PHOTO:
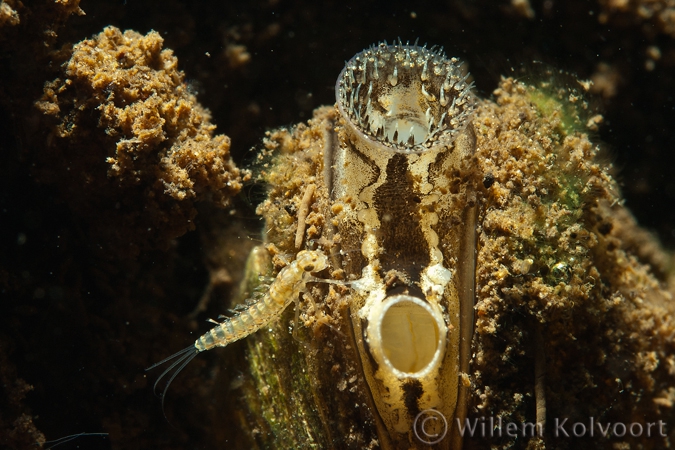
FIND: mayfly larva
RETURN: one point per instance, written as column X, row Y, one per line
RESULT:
column 286, row 287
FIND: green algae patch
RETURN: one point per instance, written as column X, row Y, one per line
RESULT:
column 561, row 98
column 553, row 104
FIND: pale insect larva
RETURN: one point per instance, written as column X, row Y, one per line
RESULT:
column 286, row 288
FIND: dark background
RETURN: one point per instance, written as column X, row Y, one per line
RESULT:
column 81, row 330
column 297, row 49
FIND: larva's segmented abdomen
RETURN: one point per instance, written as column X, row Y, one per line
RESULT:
column 286, row 288
column 235, row 328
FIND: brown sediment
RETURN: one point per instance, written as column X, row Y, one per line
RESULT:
column 48, row 15
column 641, row 243
column 289, row 164
column 17, row 429
column 131, row 144
column 606, row 80
column 556, row 248
column 522, row 8
column 154, row 190
column 9, row 15
column 659, row 13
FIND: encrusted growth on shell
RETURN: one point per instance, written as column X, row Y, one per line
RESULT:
column 406, row 97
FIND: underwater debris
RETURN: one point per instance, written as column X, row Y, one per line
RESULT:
column 17, row 427
column 658, row 13
column 138, row 148
column 555, row 249
column 48, row 15
column 8, row 16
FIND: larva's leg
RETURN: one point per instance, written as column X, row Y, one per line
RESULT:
column 296, row 323
column 310, row 299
